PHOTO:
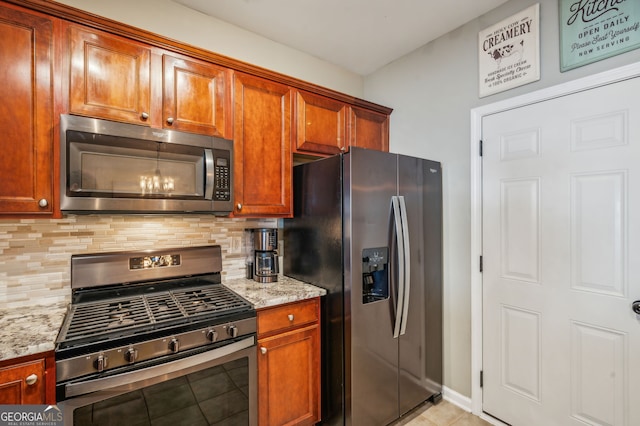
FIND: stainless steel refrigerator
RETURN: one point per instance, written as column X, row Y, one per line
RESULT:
column 367, row 227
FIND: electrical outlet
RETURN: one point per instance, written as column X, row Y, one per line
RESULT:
column 235, row 246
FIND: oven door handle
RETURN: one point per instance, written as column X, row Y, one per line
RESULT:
column 82, row 388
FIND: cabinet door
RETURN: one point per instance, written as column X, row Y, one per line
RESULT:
column 197, row 97
column 289, row 378
column 110, row 77
column 321, row 125
column 262, row 147
column 23, row 383
column 369, row 129
column 26, row 107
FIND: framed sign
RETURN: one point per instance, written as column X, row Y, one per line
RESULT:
column 509, row 52
column 594, row 30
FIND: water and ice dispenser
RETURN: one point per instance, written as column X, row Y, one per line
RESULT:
column 375, row 274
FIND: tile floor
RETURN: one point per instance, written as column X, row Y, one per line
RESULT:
column 442, row 414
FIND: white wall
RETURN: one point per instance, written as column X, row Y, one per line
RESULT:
column 432, row 91
column 178, row 22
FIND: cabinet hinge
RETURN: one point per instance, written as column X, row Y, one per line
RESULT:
column 480, row 149
column 480, row 263
column 481, row 378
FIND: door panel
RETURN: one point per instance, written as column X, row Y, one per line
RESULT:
column 262, row 147
column 197, row 97
column 560, row 231
column 110, row 77
column 26, row 163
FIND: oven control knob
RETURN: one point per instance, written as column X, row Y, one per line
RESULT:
column 101, row 362
column 174, row 345
column 212, row 335
column 131, row 355
column 233, row 331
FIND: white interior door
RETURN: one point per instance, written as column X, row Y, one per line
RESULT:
column 561, row 254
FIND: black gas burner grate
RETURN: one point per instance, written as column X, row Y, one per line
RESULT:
column 98, row 320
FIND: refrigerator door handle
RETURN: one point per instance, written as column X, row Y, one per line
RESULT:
column 401, row 271
column 407, row 265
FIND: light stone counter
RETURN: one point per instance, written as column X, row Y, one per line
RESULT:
column 285, row 290
column 29, row 330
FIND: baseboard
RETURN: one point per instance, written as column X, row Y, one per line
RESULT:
column 456, row 398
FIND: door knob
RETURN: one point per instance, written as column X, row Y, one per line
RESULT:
column 636, row 307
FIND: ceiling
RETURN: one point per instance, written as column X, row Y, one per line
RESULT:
column 358, row 35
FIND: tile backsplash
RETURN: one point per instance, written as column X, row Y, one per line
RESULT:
column 35, row 253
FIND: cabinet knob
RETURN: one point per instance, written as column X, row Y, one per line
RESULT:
column 263, row 350
column 239, row 206
column 290, row 316
column 43, row 202
column 31, row 379
column 343, row 149
column 170, row 120
column 144, row 115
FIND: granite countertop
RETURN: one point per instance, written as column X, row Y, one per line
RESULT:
column 285, row 290
column 29, row 330
column 32, row 330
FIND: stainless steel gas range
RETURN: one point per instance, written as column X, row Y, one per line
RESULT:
column 153, row 337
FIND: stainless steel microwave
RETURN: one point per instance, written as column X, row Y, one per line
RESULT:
column 107, row 166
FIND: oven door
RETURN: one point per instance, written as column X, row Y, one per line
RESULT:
column 214, row 387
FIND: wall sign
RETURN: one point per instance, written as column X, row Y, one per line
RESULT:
column 509, row 52
column 592, row 30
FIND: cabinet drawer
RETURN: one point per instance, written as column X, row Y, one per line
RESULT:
column 287, row 317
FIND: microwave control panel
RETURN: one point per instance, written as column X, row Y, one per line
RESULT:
column 222, row 175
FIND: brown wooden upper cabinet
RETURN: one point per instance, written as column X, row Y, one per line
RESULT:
column 321, row 125
column 262, row 147
column 109, row 77
column 27, row 162
column 325, row 126
column 368, row 129
column 196, row 96
column 120, row 79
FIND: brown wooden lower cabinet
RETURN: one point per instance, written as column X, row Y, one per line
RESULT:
column 28, row 380
column 289, row 364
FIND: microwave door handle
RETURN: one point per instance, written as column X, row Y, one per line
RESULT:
column 400, row 264
column 407, row 265
column 209, row 174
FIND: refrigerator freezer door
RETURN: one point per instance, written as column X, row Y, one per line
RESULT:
column 370, row 180
column 420, row 353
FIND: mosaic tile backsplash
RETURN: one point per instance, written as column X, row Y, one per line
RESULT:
column 35, row 253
